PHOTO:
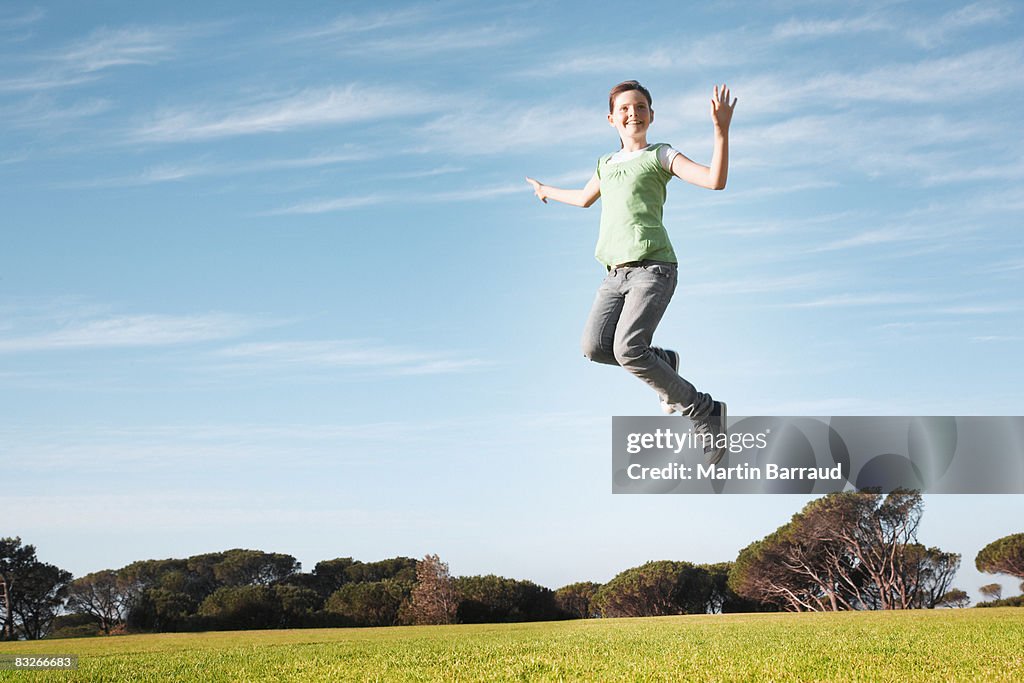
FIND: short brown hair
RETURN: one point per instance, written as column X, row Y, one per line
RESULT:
column 626, row 86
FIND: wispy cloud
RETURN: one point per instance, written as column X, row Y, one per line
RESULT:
column 13, row 158
column 827, row 28
column 431, row 172
column 49, row 79
column 718, row 49
column 949, row 78
column 331, row 205
column 914, row 326
column 10, row 21
column 306, row 109
column 958, row 20
column 497, row 128
column 352, row 354
column 82, row 61
column 591, row 61
column 911, row 123
column 171, row 446
column 106, row 48
column 410, row 32
column 1013, row 171
column 1004, row 200
column 183, row 511
column 985, row 70
column 851, row 300
column 131, row 331
column 357, row 201
column 783, row 186
column 768, row 284
column 774, row 225
column 980, row 309
column 817, row 407
column 688, row 54
column 994, row 338
column 1006, row 266
column 347, row 25
column 873, row 237
column 41, row 111
column 882, row 299
column 419, row 44
column 172, row 172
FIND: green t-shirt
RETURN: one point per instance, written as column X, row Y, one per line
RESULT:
column 632, row 198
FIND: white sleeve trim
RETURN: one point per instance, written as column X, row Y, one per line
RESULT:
column 666, row 154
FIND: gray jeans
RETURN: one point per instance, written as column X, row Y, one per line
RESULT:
column 629, row 305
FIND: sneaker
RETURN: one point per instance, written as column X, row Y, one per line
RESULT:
column 711, row 428
column 673, row 360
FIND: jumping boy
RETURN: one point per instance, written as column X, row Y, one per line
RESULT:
column 634, row 247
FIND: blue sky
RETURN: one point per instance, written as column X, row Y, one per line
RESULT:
column 272, row 278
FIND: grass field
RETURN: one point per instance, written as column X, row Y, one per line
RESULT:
column 969, row 644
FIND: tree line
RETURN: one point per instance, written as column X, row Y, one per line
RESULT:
column 844, row 551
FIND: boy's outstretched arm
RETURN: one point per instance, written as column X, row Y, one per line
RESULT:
column 715, row 176
column 585, row 197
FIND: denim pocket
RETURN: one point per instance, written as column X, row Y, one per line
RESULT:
column 660, row 270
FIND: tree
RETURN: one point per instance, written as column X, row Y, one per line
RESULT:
column 433, row 599
column 722, row 599
column 1003, row 556
column 871, row 533
column 39, row 597
column 929, row 574
column 31, row 592
column 240, row 567
column 242, row 607
column 75, row 625
column 307, row 581
column 188, row 594
column 15, row 559
column 954, row 598
column 992, row 591
column 495, row 599
column 298, row 605
column 793, row 575
column 847, row 551
column 369, row 603
column 402, row 569
column 330, row 575
column 161, row 593
column 655, row 589
column 166, row 595
column 162, row 609
column 103, row 595
column 577, row 599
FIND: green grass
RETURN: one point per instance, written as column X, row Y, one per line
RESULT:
column 868, row 646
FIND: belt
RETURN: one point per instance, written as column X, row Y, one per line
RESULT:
column 637, row 264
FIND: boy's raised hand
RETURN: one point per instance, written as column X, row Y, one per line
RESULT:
column 721, row 108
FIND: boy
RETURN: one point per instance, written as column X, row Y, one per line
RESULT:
column 634, row 247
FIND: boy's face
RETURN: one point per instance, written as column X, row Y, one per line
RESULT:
column 631, row 115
